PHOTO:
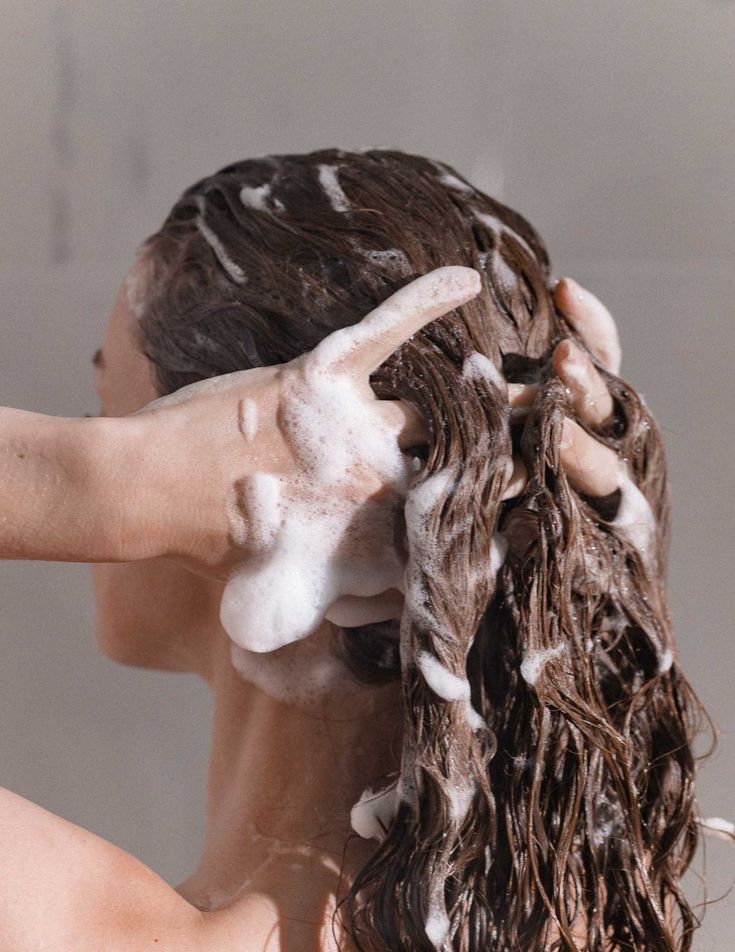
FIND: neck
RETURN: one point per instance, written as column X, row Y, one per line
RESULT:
column 295, row 742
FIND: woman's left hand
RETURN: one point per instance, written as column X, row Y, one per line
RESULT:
column 591, row 466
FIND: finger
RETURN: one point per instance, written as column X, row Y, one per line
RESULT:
column 362, row 348
column 521, row 396
column 592, row 401
column 518, row 480
column 405, row 420
column 592, row 320
column 591, row 467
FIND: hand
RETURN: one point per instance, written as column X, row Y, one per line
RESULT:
column 297, row 470
column 591, row 467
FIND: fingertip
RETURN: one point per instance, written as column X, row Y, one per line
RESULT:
column 454, row 285
column 562, row 352
column 458, row 276
column 592, row 320
column 518, row 479
column 575, row 289
column 559, row 289
column 567, row 434
column 567, row 294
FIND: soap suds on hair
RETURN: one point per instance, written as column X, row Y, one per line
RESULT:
column 448, row 686
column 409, row 786
column 716, row 826
column 497, row 227
column 635, row 520
column 441, row 680
column 255, row 196
column 460, row 800
column 437, row 922
column 636, row 524
column 233, row 270
column 258, row 197
column 451, row 181
column 333, row 190
column 422, row 559
column 392, row 258
column 535, row 661
column 474, row 719
column 374, row 812
column 501, row 270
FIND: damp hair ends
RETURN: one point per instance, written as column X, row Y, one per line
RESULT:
column 546, row 787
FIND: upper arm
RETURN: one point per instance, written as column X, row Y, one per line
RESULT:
column 62, row 887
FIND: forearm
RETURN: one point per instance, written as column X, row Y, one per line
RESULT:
column 74, row 490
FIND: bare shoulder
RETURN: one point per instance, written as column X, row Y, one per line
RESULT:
column 63, row 887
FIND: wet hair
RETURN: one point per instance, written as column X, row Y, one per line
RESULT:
column 555, row 797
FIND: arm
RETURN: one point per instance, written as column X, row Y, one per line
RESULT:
column 156, row 483
column 64, row 888
column 69, row 489
column 161, row 482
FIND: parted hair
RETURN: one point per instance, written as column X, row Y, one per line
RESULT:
column 558, row 800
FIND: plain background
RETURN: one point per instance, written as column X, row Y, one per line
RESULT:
column 609, row 125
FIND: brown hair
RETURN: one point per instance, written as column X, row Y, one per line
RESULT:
column 578, row 784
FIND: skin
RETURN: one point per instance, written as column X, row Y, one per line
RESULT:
column 283, row 773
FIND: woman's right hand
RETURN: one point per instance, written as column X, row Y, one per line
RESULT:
column 227, row 454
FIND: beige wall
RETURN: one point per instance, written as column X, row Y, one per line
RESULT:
column 608, row 123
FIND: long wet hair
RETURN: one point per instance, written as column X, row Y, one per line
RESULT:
column 566, row 808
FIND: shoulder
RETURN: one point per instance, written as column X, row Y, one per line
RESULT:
column 63, row 887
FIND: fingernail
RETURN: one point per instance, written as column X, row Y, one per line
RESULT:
column 575, row 356
column 576, row 289
column 566, row 434
column 574, row 370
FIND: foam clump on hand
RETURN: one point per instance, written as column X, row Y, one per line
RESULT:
column 305, row 526
column 327, row 529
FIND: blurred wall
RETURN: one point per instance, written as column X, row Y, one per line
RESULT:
column 609, row 125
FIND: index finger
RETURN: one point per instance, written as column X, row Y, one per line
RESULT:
column 362, row 348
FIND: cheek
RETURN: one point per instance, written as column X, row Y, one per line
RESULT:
column 154, row 614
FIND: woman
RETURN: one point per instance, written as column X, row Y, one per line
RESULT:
column 528, row 726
